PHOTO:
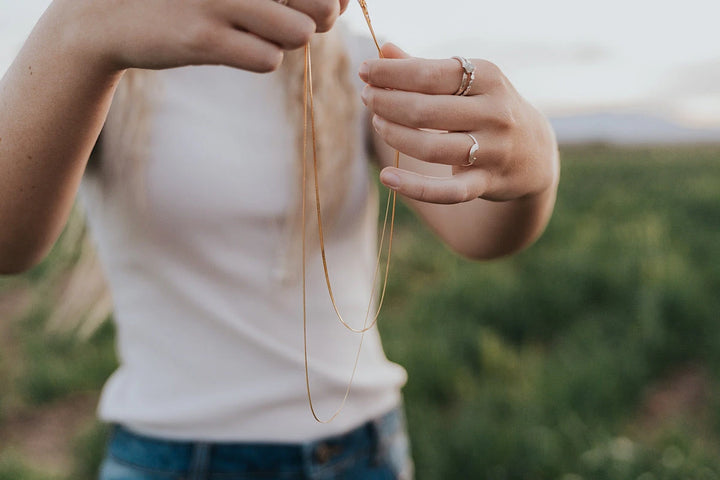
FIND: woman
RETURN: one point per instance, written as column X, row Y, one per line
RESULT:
column 193, row 199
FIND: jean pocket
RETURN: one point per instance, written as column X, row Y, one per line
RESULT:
column 394, row 446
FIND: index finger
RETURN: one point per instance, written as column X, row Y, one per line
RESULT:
column 434, row 77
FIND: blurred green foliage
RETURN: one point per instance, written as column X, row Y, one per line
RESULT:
column 592, row 355
column 539, row 366
column 12, row 467
column 62, row 364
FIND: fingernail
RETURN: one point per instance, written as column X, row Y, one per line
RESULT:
column 363, row 72
column 377, row 123
column 390, row 180
column 365, row 94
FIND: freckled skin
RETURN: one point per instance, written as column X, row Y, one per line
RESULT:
column 50, row 123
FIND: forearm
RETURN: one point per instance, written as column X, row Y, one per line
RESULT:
column 53, row 102
column 481, row 229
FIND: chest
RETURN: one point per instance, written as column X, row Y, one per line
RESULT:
column 221, row 143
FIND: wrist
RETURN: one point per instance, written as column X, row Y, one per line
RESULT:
column 66, row 32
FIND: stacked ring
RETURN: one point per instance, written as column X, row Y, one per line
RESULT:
column 468, row 76
column 473, row 150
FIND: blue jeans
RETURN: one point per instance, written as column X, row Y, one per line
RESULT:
column 377, row 450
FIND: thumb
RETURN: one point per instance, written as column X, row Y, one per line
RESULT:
column 390, row 50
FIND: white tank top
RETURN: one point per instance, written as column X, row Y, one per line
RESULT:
column 209, row 329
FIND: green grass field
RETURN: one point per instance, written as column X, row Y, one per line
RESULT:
column 594, row 355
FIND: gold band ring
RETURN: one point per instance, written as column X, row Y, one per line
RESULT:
column 468, row 76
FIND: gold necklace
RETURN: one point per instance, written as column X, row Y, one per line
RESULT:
column 308, row 103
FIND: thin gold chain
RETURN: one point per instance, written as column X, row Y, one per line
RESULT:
column 308, row 104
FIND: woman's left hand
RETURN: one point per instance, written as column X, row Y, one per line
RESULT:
column 417, row 112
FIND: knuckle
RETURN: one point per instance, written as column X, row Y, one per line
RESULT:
column 503, row 116
column 326, row 14
column 203, row 39
column 491, row 73
column 420, row 113
column 460, row 193
column 506, row 119
column 468, row 192
column 428, row 78
column 300, row 34
column 423, row 193
column 270, row 62
column 384, row 130
column 496, row 157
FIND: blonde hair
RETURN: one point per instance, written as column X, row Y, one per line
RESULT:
column 335, row 111
column 123, row 153
column 125, row 137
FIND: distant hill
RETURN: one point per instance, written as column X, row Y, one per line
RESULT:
column 620, row 128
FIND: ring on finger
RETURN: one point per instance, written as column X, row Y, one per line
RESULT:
column 472, row 154
column 468, row 76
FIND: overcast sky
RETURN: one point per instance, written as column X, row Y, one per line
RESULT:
column 566, row 56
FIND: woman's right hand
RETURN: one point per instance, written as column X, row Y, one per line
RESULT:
column 158, row 34
column 55, row 96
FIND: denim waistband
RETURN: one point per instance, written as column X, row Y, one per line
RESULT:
column 196, row 459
